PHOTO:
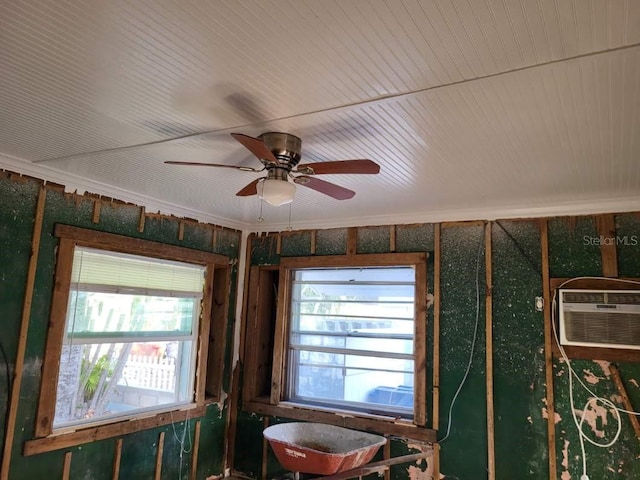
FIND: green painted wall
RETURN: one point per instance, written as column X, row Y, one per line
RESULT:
column 520, row 440
column 94, row 461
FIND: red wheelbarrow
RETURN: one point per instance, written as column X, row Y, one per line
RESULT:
column 321, row 449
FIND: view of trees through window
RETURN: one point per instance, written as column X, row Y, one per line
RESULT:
column 127, row 348
column 351, row 338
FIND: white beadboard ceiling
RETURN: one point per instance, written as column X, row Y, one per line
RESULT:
column 473, row 109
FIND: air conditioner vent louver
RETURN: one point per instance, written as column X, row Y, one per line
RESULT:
column 603, row 318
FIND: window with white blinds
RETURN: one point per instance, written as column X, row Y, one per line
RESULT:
column 131, row 333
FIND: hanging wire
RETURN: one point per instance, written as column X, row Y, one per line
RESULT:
column 186, row 432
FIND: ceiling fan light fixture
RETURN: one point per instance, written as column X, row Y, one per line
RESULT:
column 277, row 192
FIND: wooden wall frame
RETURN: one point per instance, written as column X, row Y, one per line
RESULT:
column 265, row 344
column 208, row 370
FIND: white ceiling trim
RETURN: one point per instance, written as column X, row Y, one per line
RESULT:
column 559, row 209
column 75, row 183
column 81, row 185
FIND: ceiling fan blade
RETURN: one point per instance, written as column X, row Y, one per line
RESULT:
column 255, row 146
column 250, row 189
column 236, row 167
column 339, row 166
column 328, row 188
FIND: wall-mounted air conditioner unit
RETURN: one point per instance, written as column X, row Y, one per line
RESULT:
column 600, row 318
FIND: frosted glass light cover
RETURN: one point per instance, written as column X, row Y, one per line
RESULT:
column 277, row 192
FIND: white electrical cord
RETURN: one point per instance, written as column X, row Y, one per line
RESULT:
column 473, row 344
column 595, row 398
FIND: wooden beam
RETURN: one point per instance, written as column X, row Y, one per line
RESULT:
column 159, row 452
column 392, row 238
column 12, row 404
column 436, row 347
column 265, row 449
column 385, row 425
column 181, row 231
column 491, row 460
column 548, row 350
column 278, row 243
column 386, row 455
column 420, row 346
column 231, row 423
column 116, row 460
column 66, row 466
column 607, row 231
column 92, row 434
column 141, row 220
column 626, row 401
column 196, row 450
column 352, row 240
column 313, row 242
column 122, row 243
column 97, row 207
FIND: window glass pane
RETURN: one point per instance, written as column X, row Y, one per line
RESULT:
column 112, row 313
column 351, row 338
column 364, row 343
column 107, row 380
column 131, row 327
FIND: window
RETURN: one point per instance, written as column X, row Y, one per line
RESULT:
column 129, row 336
column 350, row 340
column 339, row 339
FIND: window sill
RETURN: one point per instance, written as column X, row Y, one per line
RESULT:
column 116, row 429
column 359, row 421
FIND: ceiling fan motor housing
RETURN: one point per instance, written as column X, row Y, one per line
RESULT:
column 284, row 146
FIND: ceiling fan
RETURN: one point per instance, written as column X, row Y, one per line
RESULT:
column 280, row 155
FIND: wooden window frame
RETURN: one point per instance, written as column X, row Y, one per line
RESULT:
column 266, row 342
column 210, row 350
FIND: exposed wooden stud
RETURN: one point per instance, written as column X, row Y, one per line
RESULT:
column 626, row 401
column 57, row 319
column 181, row 231
column 392, row 238
column 203, row 334
column 313, row 242
column 231, row 424
column 97, row 207
column 116, row 460
column 12, row 406
column 420, row 348
column 278, row 243
column 607, row 231
column 436, row 461
column 548, row 351
column 386, row 455
column 214, row 237
column 491, row 466
column 141, row 220
column 159, row 452
column 352, row 241
column 66, row 466
column 196, row 450
column 265, row 450
column 436, row 328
